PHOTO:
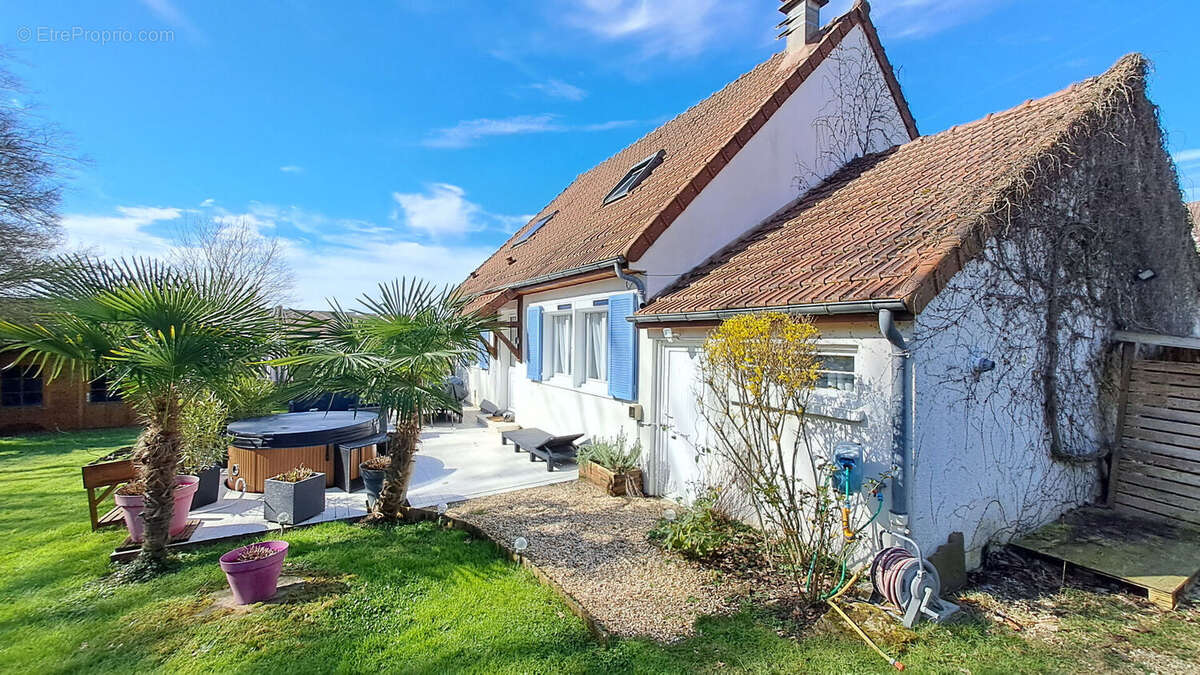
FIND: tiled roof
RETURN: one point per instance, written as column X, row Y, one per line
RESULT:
column 893, row 225
column 698, row 144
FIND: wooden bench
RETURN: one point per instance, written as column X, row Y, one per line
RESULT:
column 106, row 475
column 541, row 444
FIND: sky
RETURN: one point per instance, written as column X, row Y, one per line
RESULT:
column 384, row 139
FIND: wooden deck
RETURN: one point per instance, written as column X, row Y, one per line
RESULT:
column 1148, row 553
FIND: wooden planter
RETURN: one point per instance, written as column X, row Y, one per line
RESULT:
column 615, row 484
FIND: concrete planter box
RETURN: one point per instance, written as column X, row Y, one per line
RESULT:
column 210, row 486
column 296, row 502
column 624, row 484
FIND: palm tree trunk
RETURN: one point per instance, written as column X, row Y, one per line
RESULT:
column 402, row 447
column 157, row 458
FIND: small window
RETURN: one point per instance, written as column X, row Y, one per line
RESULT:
column 99, row 392
column 560, row 344
column 534, row 228
column 635, row 176
column 20, row 386
column 595, row 345
column 836, row 372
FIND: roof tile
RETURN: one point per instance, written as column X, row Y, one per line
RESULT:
column 893, row 225
column 698, row 144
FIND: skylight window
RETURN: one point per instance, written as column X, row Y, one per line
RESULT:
column 536, row 226
column 635, row 176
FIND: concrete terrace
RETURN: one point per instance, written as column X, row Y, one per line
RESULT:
column 455, row 462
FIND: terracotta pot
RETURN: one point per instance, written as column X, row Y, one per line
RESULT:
column 132, row 507
column 254, row 580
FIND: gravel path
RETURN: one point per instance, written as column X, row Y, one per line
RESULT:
column 595, row 547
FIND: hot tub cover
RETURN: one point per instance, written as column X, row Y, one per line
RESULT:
column 295, row 430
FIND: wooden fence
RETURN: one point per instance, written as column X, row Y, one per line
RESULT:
column 1156, row 469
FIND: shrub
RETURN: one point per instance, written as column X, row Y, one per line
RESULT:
column 251, row 396
column 202, row 428
column 696, row 532
column 757, row 374
column 614, row 454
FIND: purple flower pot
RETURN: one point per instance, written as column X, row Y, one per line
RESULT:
column 133, row 505
column 254, row 580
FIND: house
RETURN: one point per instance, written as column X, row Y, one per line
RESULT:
column 966, row 284
column 30, row 403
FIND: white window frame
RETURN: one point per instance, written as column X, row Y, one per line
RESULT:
column 581, row 379
column 849, row 351
column 551, row 346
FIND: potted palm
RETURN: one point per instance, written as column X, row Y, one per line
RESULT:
column 612, row 463
column 395, row 352
column 253, row 571
column 294, row 496
column 131, row 497
column 159, row 335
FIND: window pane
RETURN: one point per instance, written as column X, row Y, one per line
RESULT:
column 560, row 344
column 837, row 372
column 596, row 342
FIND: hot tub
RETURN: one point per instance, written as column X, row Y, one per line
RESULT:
column 333, row 443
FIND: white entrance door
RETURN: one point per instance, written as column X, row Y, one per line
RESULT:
column 679, row 473
column 500, row 387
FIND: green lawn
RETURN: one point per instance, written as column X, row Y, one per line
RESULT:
column 415, row 599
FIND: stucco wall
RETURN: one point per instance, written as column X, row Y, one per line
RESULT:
column 862, row 415
column 766, row 175
column 980, row 462
column 555, row 406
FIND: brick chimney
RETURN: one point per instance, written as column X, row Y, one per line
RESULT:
column 803, row 23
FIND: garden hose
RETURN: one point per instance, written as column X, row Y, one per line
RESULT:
column 865, row 638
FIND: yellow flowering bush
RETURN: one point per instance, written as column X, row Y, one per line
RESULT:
column 757, row 372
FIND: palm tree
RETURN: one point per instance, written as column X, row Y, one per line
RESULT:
column 396, row 353
column 159, row 336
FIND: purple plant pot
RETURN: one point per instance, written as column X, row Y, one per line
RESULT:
column 254, row 580
column 133, row 505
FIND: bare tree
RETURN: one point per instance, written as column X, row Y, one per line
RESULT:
column 31, row 155
column 222, row 245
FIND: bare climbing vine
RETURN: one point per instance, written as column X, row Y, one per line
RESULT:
column 859, row 116
column 1065, row 244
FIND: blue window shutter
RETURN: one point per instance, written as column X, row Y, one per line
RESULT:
column 622, row 347
column 483, row 352
column 533, row 343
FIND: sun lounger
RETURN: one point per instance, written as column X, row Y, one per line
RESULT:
column 541, row 444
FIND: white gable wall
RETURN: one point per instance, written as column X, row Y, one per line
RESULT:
column 761, row 179
column 981, row 464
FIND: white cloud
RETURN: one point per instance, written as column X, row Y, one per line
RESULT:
column 291, row 168
column 899, row 19
column 674, row 28
column 444, row 210
column 331, row 257
column 465, row 133
column 1187, row 156
column 171, row 15
column 124, row 234
column 555, row 88
column 468, row 132
column 345, row 273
